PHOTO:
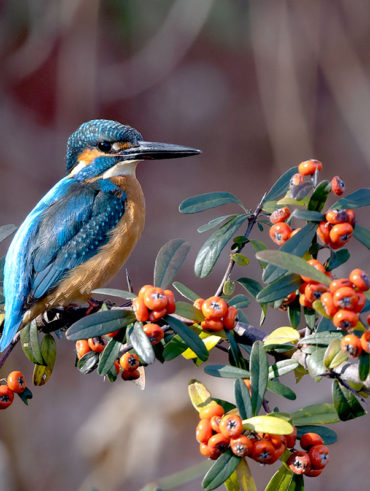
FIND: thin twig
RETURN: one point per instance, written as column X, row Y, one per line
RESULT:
column 9, row 348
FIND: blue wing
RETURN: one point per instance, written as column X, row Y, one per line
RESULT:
column 65, row 229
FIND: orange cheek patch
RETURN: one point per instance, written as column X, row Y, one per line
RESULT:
column 89, row 154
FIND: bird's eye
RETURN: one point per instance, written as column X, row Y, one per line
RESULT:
column 104, row 146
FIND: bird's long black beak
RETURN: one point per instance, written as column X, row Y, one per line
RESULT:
column 153, row 150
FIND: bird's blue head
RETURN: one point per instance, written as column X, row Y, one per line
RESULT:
column 100, row 144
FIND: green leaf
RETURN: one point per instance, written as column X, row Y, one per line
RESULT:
column 358, row 198
column 297, row 483
column 190, row 337
column 293, row 264
column 322, row 338
column 294, row 313
column 319, row 196
column 6, row 230
column 282, row 368
column 336, row 259
column 140, row 342
column 362, row 234
column 315, row 414
column 281, row 480
column 188, row 311
column 281, row 389
column 185, row 291
column 31, row 349
column 25, row 395
column 281, row 186
column 88, row 362
column 331, row 351
column 296, row 245
column 235, row 353
column 310, row 317
column 259, row 375
column 241, row 479
column 206, row 201
column 212, row 248
column 252, row 286
column 308, row 215
column 240, row 259
column 243, row 399
column 239, row 301
column 345, row 403
column 315, row 364
column 100, row 323
column 279, row 288
column 109, row 356
column 213, row 223
column 168, row 261
column 226, row 371
column 327, row 434
column 114, row 292
column 42, row 373
column 228, row 288
column 223, row 467
column 174, row 481
column 364, row 366
column 174, row 348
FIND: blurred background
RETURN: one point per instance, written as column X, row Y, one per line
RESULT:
column 259, row 86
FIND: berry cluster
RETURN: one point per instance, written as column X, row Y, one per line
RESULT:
column 314, row 457
column 218, row 314
column 280, row 231
column 216, row 432
column 15, row 383
column 353, row 346
column 337, row 228
column 152, row 303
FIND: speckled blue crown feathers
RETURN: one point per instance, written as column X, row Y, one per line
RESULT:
column 92, row 132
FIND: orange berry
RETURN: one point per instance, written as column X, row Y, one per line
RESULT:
column 263, row 451
column 155, row 298
column 289, row 299
column 291, row 439
column 313, row 472
column 308, row 167
column 203, row 431
column 212, row 409
column 129, row 361
column 313, row 291
column 295, row 231
column 303, row 286
column 276, row 440
column 143, row 290
column 171, row 306
column 231, row 425
column 6, row 396
column 112, row 334
column 280, row 233
column 230, row 318
column 308, row 440
column 328, row 303
column 155, row 315
column 211, row 325
column 351, row 345
column 341, row 233
column 336, row 216
column 140, row 309
column 345, row 298
column 337, row 185
column 280, row 450
column 351, row 217
column 16, row 382
column 299, row 462
column 323, row 231
column 303, row 300
column 280, row 215
column 130, row 374
column 247, row 383
column 219, row 442
column 319, row 456
column 241, row 446
column 214, row 308
column 215, row 423
column 336, row 284
column 96, row 344
column 154, row 333
column 198, row 303
column 206, row 451
column 296, row 180
column 345, row 319
column 360, row 279
column 361, row 300
column 117, row 366
column 317, row 265
column 82, row 347
column 365, row 341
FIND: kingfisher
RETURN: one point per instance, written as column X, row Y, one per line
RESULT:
column 84, row 229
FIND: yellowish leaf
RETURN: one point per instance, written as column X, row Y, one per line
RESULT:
column 282, row 335
column 199, row 395
column 268, row 424
column 210, row 341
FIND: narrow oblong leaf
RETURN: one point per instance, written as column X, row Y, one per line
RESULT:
column 239, row 301
column 345, row 403
column 206, row 201
column 88, row 362
column 212, row 248
column 25, row 395
column 315, row 414
column 199, row 394
column 364, row 366
column 327, row 434
column 26, row 345
column 6, row 230
column 243, row 399
column 169, row 260
column 188, row 336
column 281, row 389
column 185, row 291
column 309, row 215
column 281, row 186
column 279, row 288
column 140, row 342
column 253, row 287
column 282, row 335
column 294, row 313
column 259, row 375
column 109, row 356
column 213, row 223
column 100, row 323
column 322, row 338
column 358, row 198
column 187, row 310
column 293, row 264
column 281, row 480
column 175, row 347
column 319, row 196
column 114, row 292
column 337, row 259
column 35, row 343
column 48, row 349
column 282, row 368
column 362, row 234
column 223, row 467
column 226, row 371
column 241, row 479
column 268, row 424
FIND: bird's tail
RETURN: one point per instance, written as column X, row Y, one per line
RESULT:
column 10, row 327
